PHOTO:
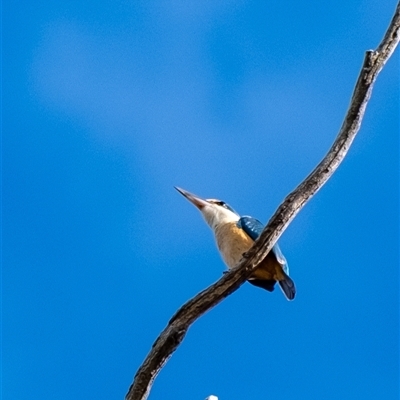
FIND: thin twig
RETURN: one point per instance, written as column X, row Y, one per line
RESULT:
column 173, row 334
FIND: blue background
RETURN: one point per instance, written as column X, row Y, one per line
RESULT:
column 106, row 106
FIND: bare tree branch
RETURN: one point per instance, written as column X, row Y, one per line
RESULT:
column 173, row 334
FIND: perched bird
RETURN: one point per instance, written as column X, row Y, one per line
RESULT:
column 235, row 235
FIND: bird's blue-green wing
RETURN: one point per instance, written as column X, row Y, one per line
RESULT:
column 253, row 227
column 281, row 258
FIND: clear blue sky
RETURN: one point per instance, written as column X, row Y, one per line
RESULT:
column 106, row 106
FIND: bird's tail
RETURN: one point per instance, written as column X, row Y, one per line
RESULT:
column 288, row 287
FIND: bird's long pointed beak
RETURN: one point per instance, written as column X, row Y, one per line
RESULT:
column 197, row 201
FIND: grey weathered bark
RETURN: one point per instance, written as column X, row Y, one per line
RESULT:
column 173, row 334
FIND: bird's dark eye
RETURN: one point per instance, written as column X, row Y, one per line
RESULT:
column 222, row 204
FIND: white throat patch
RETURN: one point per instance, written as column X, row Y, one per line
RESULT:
column 216, row 215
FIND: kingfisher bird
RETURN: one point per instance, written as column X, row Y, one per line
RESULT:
column 235, row 235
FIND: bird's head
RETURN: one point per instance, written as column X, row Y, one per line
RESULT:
column 215, row 212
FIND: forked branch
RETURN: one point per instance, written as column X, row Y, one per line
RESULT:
column 173, row 334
